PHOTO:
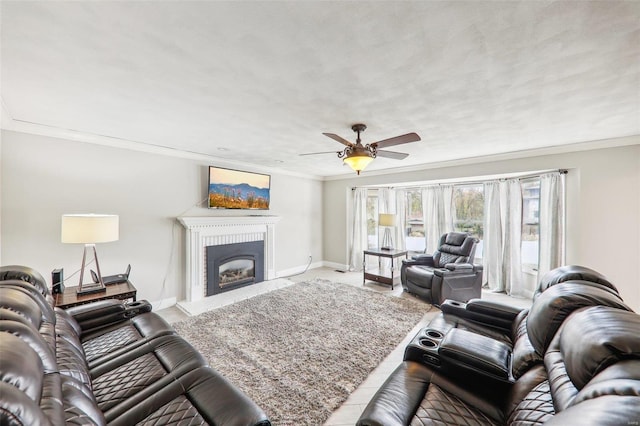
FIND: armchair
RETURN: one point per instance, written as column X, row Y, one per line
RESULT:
column 447, row 274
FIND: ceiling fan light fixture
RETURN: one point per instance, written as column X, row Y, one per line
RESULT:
column 358, row 161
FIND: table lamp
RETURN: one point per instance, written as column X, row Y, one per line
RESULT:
column 89, row 229
column 388, row 221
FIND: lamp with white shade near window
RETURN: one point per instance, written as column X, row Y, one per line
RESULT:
column 90, row 229
column 388, row 221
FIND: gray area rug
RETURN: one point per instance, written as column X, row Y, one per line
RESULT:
column 299, row 352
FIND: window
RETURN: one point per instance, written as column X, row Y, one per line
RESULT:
column 372, row 220
column 468, row 201
column 530, row 224
column 415, row 221
column 468, row 206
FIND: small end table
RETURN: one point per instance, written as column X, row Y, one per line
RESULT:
column 382, row 275
column 69, row 298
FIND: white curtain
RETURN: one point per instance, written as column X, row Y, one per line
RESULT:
column 503, row 237
column 492, row 239
column 438, row 214
column 358, row 229
column 400, row 239
column 511, row 264
column 552, row 224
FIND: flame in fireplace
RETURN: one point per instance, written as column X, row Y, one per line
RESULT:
column 235, row 271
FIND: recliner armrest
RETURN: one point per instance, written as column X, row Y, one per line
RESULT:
column 476, row 354
column 423, row 260
column 491, row 314
column 454, row 269
column 459, row 266
column 499, row 310
column 102, row 313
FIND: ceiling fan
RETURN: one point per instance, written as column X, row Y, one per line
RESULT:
column 358, row 156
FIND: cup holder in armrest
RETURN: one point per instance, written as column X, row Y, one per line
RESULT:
column 424, row 348
column 136, row 308
column 433, row 334
column 428, row 343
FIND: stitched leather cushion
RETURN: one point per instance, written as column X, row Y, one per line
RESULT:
column 127, row 380
column 476, row 351
column 572, row 273
column 524, row 355
column 535, row 408
column 552, row 307
column 21, row 365
column 13, row 301
column 595, row 338
column 455, row 238
column 439, row 407
column 179, row 411
column 24, row 273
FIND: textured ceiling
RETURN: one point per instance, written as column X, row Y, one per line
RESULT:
column 259, row 82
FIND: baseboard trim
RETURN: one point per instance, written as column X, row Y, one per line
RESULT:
column 163, row 303
column 297, row 270
column 337, row 266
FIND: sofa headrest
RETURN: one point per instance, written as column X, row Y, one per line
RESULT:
column 592, row 339
column 458, row 243
column 455, row 238
column 572, row 273
column 552, row 307
column 24, row 273
column 16, row 301
column 48, row 313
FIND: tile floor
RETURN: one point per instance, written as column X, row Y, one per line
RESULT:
column 351, row 409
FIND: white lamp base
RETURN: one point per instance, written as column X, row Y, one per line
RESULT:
column 387, row 242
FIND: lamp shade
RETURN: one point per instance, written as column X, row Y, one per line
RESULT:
column 89, row 228
column 358, row 160
column 387, row 219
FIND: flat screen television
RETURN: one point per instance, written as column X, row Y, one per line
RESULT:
column 235, row 189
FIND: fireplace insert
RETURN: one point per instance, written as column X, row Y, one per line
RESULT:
column 231, row 266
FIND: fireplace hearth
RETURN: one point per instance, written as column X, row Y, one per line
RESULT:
column 231, row 266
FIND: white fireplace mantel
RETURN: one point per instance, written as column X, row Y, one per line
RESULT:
column 205, row 231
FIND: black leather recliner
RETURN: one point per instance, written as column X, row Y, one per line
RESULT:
column 447, row 274
column 572, row 359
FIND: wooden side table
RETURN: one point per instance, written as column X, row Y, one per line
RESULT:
column 69, row 298
column 382, row 275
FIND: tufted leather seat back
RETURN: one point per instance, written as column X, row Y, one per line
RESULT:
column 29, row 378
column 573, row 273
column 552, row 307
column 595, row 353
column 454, row 247
column 26, row 274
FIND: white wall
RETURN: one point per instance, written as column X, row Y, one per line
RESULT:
column 603, row 207
column 43, row 178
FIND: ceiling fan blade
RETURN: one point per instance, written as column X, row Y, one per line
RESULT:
column 338, row 139
column 392, row 154
column 409, row 137
column 323, row 152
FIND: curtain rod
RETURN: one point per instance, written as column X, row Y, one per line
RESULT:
column 472, row 182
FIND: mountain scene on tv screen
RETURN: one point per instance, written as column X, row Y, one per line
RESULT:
column 241, row 196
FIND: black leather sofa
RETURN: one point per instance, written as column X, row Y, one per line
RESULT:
column 103, row 363
column 572, row 359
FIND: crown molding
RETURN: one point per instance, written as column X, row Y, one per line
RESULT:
column 9, row 123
